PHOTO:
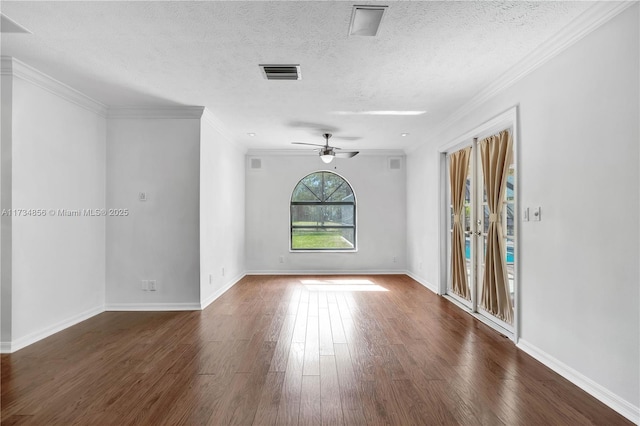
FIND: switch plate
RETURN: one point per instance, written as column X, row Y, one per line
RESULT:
column 525, row 214
column 144, row 285
column 142, row 196
column 153, row 285
column 536, row 214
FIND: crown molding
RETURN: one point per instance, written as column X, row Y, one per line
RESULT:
column 6, row 65
column 212, row 121
column 597, row 15
column 17, row 68
column 309, row 152
column 155, row 112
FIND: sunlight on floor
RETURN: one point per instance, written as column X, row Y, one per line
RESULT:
column 342, row 285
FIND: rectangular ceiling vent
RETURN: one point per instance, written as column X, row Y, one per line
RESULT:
column 281, row 72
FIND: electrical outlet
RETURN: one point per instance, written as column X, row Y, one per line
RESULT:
column 144, row 285
column 153, row 285
column 281, row 259
column 395, row 259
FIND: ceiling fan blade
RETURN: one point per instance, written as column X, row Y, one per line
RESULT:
column 346, row 154
column 348, row 138
column 304, row 143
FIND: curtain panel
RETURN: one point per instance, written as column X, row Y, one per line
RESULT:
column 458, row 167
column 496, row 155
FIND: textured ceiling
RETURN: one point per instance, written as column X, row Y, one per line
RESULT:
column 428, row 56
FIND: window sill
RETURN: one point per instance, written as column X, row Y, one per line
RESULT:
column 322, row 251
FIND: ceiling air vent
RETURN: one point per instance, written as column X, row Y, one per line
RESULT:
column 281, row 72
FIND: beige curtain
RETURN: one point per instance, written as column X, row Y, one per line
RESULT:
column 458, row 167
column 496, row 155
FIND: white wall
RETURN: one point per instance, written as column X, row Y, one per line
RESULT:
column 159, row 239
column 579, row 161
column 6, row 98
column 381, row 212
column 58, row 162
column 423, row 253
column 222, row 187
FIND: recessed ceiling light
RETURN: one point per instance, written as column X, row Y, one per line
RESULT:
column 251, row 134
column 365, row 20
column 404, row 134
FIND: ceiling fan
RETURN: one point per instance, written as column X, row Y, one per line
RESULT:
column 327, row 152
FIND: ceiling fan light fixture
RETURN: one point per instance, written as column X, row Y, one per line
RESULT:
column 326, row 158
column 326, row 155
column 365, row 20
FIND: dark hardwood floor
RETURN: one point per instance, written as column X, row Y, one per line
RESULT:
column 274, row 350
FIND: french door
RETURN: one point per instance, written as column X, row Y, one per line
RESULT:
column 481, row 199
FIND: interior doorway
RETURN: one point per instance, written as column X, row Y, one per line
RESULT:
column 480, row 202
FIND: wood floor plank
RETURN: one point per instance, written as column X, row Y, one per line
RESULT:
column 267, row 410
column 310, row 406
column 330, row 392
column 312, row 348
column 270, row 351
column 289, row 408
column 337, row 330
column 325, row 336
column 349, row 389
column 281, row 354
column 300, row 328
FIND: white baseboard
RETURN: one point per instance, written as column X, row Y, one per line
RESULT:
column 187, row 306
column 209, row 300
column 16, row 345
column 318, row 272
column 596, row 390
column 423, row 282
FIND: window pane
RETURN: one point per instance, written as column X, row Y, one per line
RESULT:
column 339, row 193
column 451, row 216
column 302, row 193
column 316, row 222
column 326, row 238
column 510, row 183
column 322, row 215
column 510, row 219
column 467, row 218
column 486, row 218
column 467, row 186
column 309, row 189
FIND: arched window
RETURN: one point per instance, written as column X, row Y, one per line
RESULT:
column 323, row 213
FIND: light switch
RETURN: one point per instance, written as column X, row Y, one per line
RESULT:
column 525, row 214
column 536, row 214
